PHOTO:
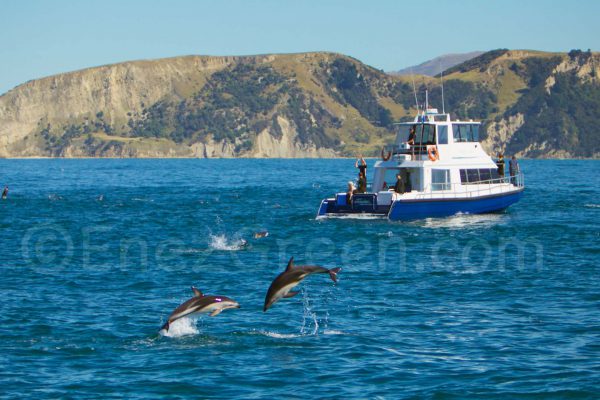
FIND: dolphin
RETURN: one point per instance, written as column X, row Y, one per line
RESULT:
column 282, row 285
column 200, row 304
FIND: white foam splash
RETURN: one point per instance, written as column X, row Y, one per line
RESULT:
column 592, row 205
column 460, row 220
column 280, row 335
column 332, row 332
column 182, row 327
column 309, row 317
column 220, row 242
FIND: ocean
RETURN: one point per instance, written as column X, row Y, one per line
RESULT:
column 95, row 254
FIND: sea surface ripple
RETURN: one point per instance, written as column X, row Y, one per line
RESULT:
column 95, row 254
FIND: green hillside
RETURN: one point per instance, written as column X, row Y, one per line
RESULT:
column 533, row 104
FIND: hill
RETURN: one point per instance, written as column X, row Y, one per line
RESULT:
column 434, row 66
column 296, row 105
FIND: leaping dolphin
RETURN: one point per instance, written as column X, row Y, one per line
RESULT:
column 201, row 304
column 282, row 285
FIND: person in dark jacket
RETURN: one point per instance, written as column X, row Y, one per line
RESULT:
column 361, row 164
column 500, row 164
column 362, row 183
column 513, row 169
column 399, row 187
column 5, row 193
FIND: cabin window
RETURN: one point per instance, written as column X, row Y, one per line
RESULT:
column 389, row 178
column 478, row 176
column 403, row 132
column 484, row 175
column 465, row 132
column 473, row 175
column 442, row 134
column 440, row 179
column 428, row 134
column 419, row 135
column 474, row 133
column 458, row 133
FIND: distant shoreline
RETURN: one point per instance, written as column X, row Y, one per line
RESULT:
column 248, row 158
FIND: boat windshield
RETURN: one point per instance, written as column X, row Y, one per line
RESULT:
column 465, row 132
column 424, row 134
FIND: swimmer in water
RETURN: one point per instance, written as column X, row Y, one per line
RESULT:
column 5, row 193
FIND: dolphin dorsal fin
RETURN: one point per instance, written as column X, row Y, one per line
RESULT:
column 290, row 264
column 197, row 293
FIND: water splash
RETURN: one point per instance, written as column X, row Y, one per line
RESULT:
column 309, row 317
column 182, row 327
column 221, row 242
column 279, row 335
column 461, row 221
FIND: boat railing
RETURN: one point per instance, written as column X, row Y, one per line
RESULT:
column 500, row 185
column 417, row 149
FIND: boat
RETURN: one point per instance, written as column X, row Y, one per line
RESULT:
column 444, row 170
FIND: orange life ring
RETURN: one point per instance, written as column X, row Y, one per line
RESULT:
column 433, row 153
column 383, row 156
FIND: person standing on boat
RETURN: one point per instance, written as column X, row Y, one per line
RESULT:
column 500, row 164
column 399, row 187
column 5, row 193
column 513, row 170
column 362, row 170
column 411, row 135
column 362, row 183
column 350, row 193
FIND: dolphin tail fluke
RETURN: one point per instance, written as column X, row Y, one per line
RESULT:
column 333, row 273
column 166, row 326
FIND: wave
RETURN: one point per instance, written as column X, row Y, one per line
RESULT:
column 187, row 251
column 592, row 205
column 221, row 242
column 182, row 327
column 280, row 335
column 333, row 332
column 460, row 220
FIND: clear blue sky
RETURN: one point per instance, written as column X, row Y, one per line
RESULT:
column 40, row 38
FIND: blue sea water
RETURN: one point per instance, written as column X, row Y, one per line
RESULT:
column 95, row 254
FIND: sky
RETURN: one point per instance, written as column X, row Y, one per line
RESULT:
column 41, row 37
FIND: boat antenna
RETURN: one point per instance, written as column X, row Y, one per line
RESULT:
column 412, row 75
column 442, row 82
